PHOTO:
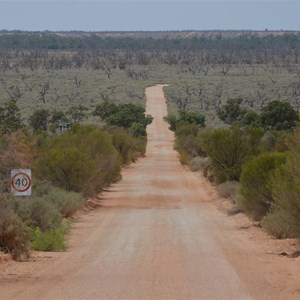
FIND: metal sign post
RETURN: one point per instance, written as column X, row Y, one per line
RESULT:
column 21, row 182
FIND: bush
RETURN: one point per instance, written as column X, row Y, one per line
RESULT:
column 10, row 117
column 187, row 143
column 190, row 117
column 229, row 149
column 123, row 115
column 286, row 192
column 14, row 235
column 185, row 118
column 276, row 224
column 251, row 118
column 82, row 160
column 51, row 240
column 199, row 163
column 37, row 212
column 138, row 129
column 172, row 120
column 257, row 197
column 67, row 203
column 279, row 116
column 229, row 189
column 39, row 120
column 231, row 112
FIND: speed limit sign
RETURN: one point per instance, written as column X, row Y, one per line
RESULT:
column 21, row 182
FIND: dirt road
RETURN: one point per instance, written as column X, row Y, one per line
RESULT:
column 158, row 235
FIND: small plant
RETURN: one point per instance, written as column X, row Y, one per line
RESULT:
column 275, row 223
column 51, row 240
column 199, row 163
column 229, row 190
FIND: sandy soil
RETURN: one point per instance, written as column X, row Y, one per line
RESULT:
column 160, row 233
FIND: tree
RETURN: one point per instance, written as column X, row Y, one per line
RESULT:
column 58, row 116
column 77, row 113
column 105, row 109
column 39, row 120
column 279, row 115
column 10, row 117
column 192, row 118
column 251, row 118
column 123, row 115
column 231, row 112
column 185, row 117
column 128, row 114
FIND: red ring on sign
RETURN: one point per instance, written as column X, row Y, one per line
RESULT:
column 29, row 182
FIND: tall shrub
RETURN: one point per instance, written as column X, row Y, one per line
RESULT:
column 229, row 149
column 83, row 160
column 256, row 189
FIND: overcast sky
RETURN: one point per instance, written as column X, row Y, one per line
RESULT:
column 125, row 15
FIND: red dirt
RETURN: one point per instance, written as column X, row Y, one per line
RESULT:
column 160, row 233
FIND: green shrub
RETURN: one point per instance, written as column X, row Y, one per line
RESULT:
column 229, row 149
column 231, row 112
column 190, row 117
column 51, row 240
column 286, row 193
column 83, row 160
column 257, row 197
column 172, row 120
column 39, row 120
column 138, row 129
column 10, row 117
column 279, row 115
column 251, row 118
column 186, row 142
column 186, row 118
column 122, row 115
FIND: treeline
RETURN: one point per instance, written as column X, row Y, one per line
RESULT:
column 67, row 169
column 53, row 41
column 51, row 51
column 258, row 167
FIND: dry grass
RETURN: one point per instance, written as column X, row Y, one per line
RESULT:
column 247, row 82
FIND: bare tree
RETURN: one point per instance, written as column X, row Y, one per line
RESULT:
column 133, row 94
column 13, row 91
column 182, row 101
column 106, row 94
column 77, row 81
column 44, row 88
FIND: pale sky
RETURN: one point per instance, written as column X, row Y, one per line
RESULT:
column 124, row 15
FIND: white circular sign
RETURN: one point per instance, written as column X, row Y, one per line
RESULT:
column 21, row 182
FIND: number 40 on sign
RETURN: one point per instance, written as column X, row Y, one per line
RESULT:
column 21, row 182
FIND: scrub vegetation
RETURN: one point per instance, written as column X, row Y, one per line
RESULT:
column 72, row 108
